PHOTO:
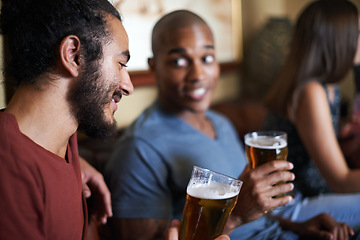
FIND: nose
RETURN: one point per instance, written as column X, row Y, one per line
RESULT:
column 196, row 71
column 126, row 87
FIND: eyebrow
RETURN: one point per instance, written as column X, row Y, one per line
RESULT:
column 182, row 50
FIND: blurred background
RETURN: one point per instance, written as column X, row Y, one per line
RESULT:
column 251, row 40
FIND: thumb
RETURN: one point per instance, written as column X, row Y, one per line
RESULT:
column 223, row 237
column 85, row 187
column 173, row 232
column 86, row 190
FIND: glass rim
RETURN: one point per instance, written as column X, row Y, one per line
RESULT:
column 217, row 173
column 274, row 133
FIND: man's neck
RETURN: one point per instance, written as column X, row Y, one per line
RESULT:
column 43, row 116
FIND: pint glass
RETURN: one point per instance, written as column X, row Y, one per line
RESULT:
column 265, row 146
column 210, row 199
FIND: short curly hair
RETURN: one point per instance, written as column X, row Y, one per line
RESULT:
column 35, row 28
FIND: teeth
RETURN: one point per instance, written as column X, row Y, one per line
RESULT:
column 199, row 91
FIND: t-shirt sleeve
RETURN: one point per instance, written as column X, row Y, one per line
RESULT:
column 136, row 175
column 21, row 200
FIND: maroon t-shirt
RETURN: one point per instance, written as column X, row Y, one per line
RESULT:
column 40, row 193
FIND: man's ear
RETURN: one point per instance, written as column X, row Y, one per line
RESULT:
column 70, row 54
column 151, row 63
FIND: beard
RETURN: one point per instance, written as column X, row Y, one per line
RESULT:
column 88, row 99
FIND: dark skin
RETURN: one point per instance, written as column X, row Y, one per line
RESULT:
column 151, row 228
column 186, row 72
column 185, row 68
column 322, row 226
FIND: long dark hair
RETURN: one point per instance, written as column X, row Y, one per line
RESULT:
column 35, row 28
column 323, row 47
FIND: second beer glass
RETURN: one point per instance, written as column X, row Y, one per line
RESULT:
column 264, row 146
column 210, row 199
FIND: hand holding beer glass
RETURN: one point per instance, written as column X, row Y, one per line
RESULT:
column 264, row 146
column 210, row 199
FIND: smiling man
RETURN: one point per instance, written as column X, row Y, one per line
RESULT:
column 68, row 60
column 151, row 165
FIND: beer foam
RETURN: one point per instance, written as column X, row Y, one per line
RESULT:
column 214, row 190
column 266, row 142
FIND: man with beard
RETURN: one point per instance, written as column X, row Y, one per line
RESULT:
column 68, row 62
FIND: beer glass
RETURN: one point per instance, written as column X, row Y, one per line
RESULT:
column 265, row 146
column 210, row 199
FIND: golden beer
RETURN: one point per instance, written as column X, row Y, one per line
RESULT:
column 261, row 148
column 207, row 208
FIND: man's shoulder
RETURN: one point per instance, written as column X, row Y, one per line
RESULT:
column 8, row 128
column 151, row 123
column 15, row 146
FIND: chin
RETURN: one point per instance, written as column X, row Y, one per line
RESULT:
column 99, row 128
column 203, row 107
column 199, row 109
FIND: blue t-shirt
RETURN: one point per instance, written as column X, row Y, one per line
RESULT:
column 151, row 165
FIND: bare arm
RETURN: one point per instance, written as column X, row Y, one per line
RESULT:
column 139, row 229
column 313, row 122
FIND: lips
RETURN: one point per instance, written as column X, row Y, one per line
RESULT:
column 197, row 93
column 116, row 97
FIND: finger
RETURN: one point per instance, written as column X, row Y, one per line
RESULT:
column 276, row 196
column 342, row 234
column 173, row 232
column 281, row 189
column 276, row 183
column 107, row 202
column 280, row 201
column 86, row 190
column 104, row 194
column 344, row 231
column 336, row 229
column 317, row 233
column 103, row 218
column 280, row 176
column 323, row 235
column 350, row 230
column 100, row 216
column 223, row 237
column 273, row 166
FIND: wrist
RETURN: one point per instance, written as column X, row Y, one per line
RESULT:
column 288, row 225
column 232, row 223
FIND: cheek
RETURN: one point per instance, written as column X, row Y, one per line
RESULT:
column 213, row 73
column 172, row 87
column 170, row 79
